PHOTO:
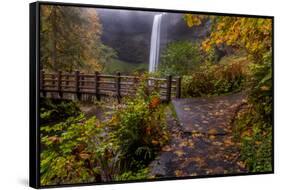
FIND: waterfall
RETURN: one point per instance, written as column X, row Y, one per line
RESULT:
column 155, row 43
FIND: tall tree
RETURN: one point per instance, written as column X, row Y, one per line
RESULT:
column 70, row 39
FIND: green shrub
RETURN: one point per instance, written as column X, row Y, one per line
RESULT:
column 129, row 175
column 77, row 151
column 254, row 126
column 215, row 79
column 80, row 150
column 180, row 58
column 140, row 128
column 255, row 136
column 53, row 110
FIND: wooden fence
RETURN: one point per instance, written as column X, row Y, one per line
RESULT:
column 97, row 85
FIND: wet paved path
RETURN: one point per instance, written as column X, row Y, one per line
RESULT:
column 201, row 139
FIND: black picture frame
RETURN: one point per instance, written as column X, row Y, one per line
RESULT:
column 34, row 117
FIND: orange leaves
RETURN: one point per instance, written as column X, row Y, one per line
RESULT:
column 154, row 102
column 155, row 142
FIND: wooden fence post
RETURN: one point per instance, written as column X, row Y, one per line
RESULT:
column 82, row 85
column 59, row 84
column 97, row 79
column 66, row 81
column 118, row 86
column 54, row 80
column 42, row 81
column 77, row 81
column 178, row 87
column 169, row 85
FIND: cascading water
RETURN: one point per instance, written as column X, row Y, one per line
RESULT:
column 155, row 43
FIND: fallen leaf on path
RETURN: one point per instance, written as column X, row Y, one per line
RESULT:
column 212, row 137
column 218, row 170
column 228, row 142
column 179, row 153
column 212, row 131
column 196, row 134
column 241, row 164
column 217, row 143
column 187, row 109
column 155, row 142
column 166, row 148
column 179, row 173
column 188, row 143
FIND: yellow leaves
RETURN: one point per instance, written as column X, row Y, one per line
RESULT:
column 194, row 20
column 219, row 41
column 254, row 34
column 206, row 45
column 220, row 25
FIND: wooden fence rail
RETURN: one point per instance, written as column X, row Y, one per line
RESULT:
column 97, row 85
